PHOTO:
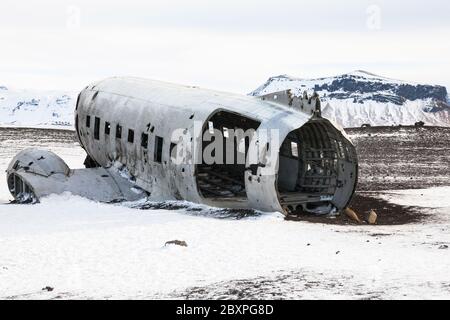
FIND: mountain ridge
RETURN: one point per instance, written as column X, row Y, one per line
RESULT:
column 31, row 108
column 351, row 100
column 362, row 97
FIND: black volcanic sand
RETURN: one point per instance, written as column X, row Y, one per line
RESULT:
column 39, row 135
column 402, row 157
column 387, row 213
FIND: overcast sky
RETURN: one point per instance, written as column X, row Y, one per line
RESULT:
column 226, row 45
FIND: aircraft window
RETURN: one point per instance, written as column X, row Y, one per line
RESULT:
column 88, row 121
column 118, row 131
column 289, row 149
column 211, row 127
column 226, row 133
column 130, row 136
column 78, row 101
column 158, row 148
column 294, row 149
column 173, row 151
column 144, row 140
column 107, row 127
column 97, row 128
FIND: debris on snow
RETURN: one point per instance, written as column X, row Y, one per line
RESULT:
column 352, row 215
column 181, row 243
column 47, row 288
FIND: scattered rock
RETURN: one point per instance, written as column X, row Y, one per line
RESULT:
column 443, row 246
column 47, row 288
column 177, row 242
column 352, row 215
column 372, row 217
column 337, row 252
column 376, row 235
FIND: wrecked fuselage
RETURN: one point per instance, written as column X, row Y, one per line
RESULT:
column 163, row 141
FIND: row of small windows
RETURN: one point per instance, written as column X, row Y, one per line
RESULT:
column 130, row 138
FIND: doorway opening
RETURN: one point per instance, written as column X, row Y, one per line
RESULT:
column 225, row 141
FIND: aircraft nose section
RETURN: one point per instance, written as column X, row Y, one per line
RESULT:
column 34, row 174
column 29, row 163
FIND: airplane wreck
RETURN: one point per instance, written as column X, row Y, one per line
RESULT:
column 161, row 141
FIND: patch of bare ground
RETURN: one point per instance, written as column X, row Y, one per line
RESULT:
column 283, row 285
column 393, row 158
column 388, row 213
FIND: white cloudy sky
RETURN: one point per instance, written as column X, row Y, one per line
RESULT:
column 229, row 45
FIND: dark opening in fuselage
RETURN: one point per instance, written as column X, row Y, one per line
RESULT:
column 223, row 175
column 317, row 166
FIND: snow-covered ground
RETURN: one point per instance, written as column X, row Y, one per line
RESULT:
column 89, row 250
column 85, row 249
column 350, row 115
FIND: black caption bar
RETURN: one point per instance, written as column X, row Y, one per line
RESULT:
column 211, row 309
column 207, row 309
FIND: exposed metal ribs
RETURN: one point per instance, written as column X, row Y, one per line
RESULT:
column 321, row 149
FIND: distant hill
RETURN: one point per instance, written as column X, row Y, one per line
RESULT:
column 350, row 99
column 30, row 108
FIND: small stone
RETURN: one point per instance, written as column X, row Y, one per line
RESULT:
column 443, row 246
column 372, row 217
column 177, row 242
column 337, row 252
column 47, row 288
column 352, row 215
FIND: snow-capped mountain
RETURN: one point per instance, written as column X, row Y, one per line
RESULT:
column 28, row 108
column 350, row 100
column 361, row 97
